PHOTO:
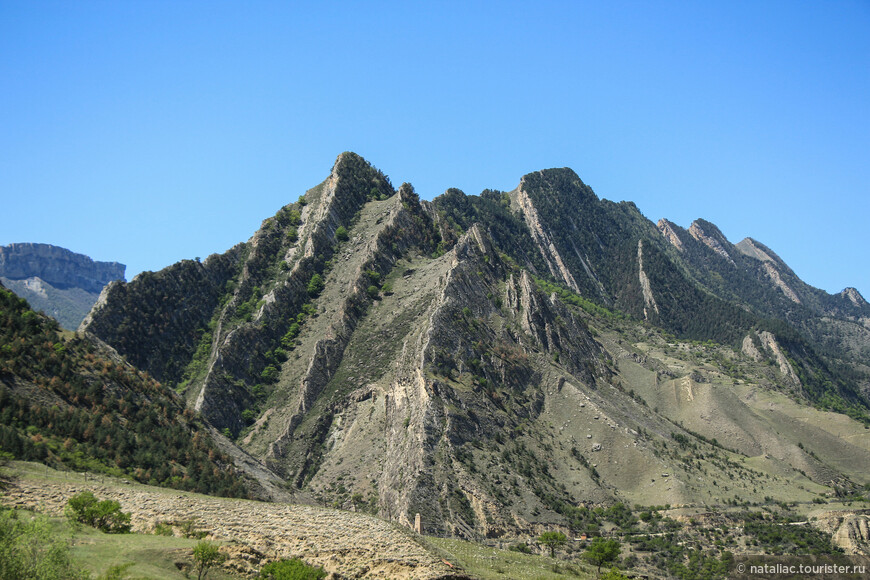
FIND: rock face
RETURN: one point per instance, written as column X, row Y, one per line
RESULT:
column 57, row 281
column 57, row 266
column 712, row 238
column 669, row 231
column 462, row 359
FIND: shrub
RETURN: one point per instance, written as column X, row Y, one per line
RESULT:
column 293, row 569
column 188, row 529
column 206, row 555
column 29, row 548
column 315, row 285
column 519, row 547
column 341, row 234
column 104, row 515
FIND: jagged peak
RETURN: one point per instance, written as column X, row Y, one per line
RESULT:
column 670, row 231
column 755, row 249
column 710, row 235
column 555, row 180
column 710, row 229
column 854, row 296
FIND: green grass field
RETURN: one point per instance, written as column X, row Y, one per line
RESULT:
column 494, row 564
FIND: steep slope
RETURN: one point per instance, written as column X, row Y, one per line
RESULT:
column 495, row 364
column 65, row 400
column 827, row 336
column 60, row 283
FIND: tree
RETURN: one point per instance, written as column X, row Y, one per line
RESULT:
column 552, row 540
column 206, row 555
column 104, row 515
column 293, row 569
column 602, row 551
column 315, row 285
column 31, row 549
column 341, row 234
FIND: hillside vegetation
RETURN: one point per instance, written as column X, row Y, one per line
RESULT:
column 66, row 401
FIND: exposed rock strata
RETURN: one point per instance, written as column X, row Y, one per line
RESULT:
column 670, row 233
column 57, row 266
column 545, row 244
column 710, row 240
column 648, row 298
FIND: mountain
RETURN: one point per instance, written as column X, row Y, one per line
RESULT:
column 61, row 283
column 69, row 401
column 502, row 364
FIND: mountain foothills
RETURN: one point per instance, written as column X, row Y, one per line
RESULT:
column 495, row 363
column 57, row 281
column 70, row 401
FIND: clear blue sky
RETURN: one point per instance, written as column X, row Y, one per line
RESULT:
column 147, row 132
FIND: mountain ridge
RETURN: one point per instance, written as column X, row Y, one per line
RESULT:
column 496, row 362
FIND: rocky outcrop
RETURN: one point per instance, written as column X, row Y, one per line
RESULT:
column 712, row 239
column 854, row 297
column 853, row 534
column 754, row 249
column 850, row 530
column 399, row 231
column 749, row 349
column 57, row 266
column 669, row 231
column 771, row 264
column 542, row 239
column 776, row 278
column 769, row 343
column 649, row 300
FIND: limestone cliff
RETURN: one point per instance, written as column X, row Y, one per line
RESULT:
column 59, row 282
column 59, row 267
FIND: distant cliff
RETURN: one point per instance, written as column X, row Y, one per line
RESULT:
column 58, row 266
column 55, row 280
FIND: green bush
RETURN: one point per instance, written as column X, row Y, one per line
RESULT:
column 315, row 285
column 341, row 234
column 206, row 555
column 30, row 549
column 293, row 569
column 104, row 515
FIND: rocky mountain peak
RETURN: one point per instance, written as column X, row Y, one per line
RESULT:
column 854, row 296
column 669, row 231
column 710, row 236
